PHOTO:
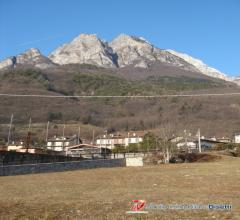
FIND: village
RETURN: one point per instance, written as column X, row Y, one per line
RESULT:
column 109, row 143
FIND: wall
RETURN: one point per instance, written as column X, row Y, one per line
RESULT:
column 60, row 166
column 17, row 158
column 134, row 162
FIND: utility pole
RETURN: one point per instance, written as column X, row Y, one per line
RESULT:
column 93, row 137
column 106, row 144
column 28, row 134
column 63, row 130
column 79, row 132
column 128, row 143
column 199, row 141
column 168, row 157
column 147, row 143
column 29, row 125
column 47, row 132
column 63, row 136
column 10, row 127
column 138, row 143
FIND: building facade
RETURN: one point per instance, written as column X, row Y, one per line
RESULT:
column 60, row 143
column 112, row 140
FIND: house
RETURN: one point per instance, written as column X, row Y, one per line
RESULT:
column 184, row 143
column 14, row 146
column 209, row 143
column 110, row 141
column 237, row 138
column 224, row 140
column 176, row 139
column 134, row 137
column 188, row 144
column 60, row 143
column 84, row 150
column 31, row 150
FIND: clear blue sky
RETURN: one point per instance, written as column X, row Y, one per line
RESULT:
column 206, row 29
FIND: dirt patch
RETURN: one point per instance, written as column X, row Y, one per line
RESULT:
column 153, row 159
column 196, row 157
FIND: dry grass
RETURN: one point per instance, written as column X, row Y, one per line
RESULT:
column 107, row 193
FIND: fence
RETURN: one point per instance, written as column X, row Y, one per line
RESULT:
column 113, row 155
column 60, row 166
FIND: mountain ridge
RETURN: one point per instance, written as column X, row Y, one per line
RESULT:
column 123, row 51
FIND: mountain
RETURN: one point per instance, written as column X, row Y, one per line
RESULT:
column 85, row 49
column 202, row 67
column 126, row 51
column 138, row 52
column 123, row 52
column 31, row 57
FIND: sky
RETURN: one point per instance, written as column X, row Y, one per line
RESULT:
column 206, row 29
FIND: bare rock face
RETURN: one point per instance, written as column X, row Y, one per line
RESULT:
column 34, row 58
column 31, row 57
column 132, row 50
column 85, row 49
column 123, row 51
column 5, row 64
column 202, row 67
column 135, row 51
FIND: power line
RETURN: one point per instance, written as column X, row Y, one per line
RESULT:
column 118, row 96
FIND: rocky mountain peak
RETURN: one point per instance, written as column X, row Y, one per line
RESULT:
column 132, row 51
column 28, row 55
column 127, row 40
column 87, row 38
column 31, row 57
column 32, row 52
column 86, row 48
column 139, row 52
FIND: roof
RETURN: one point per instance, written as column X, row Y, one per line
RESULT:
column 122, row 135
column 211, row 141
column 81, row 146
column 62, row 139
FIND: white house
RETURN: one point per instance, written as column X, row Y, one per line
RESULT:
column 60, row 143
column 236, row 138
column 188, row 144
column 83, row 150
column 112, row 140
column 15, row 146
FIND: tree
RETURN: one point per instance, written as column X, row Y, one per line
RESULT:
column 167, row 147
column 52, row 116
column 149, row 142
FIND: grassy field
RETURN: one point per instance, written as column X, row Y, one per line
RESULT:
column 107, row 193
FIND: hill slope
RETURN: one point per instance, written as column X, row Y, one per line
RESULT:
column 208, row 113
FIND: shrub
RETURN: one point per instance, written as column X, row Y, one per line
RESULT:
column 54, row 116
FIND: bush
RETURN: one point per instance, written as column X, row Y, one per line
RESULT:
column 2, row 142
column 226, row 146
column 119, row 149
column 54, row 116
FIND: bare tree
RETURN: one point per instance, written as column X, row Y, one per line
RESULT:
column 166, row 132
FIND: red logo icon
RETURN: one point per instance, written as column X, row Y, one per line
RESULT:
column 138, row 205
